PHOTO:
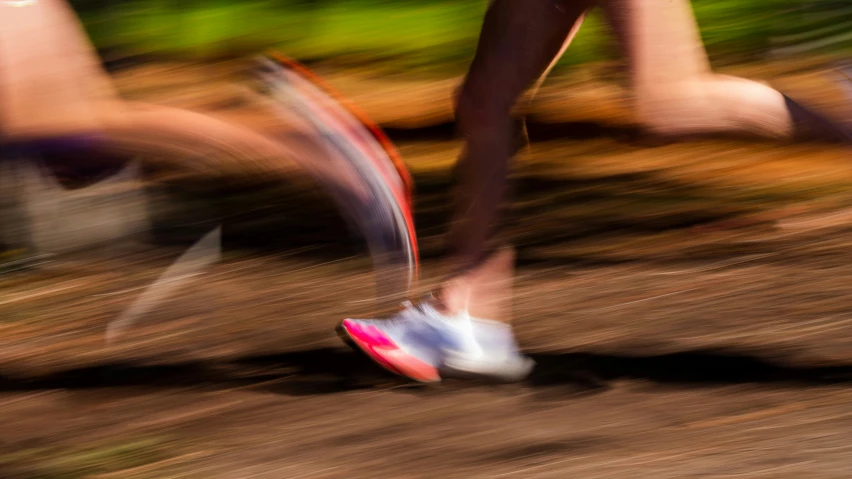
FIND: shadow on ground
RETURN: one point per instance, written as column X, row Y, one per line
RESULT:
column 537, row 130
column 549, row 210
column 329, row 371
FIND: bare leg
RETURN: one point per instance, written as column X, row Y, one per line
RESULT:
column 519, row 41
column 51, row 82
column 676, row 93
column 53, row 88
column 54, row 92
column 207, row 146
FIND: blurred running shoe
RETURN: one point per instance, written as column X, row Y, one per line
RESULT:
column 425, row 345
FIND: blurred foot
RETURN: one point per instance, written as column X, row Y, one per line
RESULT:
column 426, row 345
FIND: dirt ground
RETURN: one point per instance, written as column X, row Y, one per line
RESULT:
column 686, row 305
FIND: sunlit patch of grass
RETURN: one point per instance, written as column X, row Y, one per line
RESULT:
column 84, row 462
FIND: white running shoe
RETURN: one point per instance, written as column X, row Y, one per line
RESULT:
column 425, row 345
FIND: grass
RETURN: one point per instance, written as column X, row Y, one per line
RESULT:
column 107, row 460
column 399, row 35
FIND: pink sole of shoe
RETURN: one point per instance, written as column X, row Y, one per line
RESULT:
column 387, row 354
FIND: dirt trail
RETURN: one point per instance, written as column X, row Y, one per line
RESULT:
column 687, row 306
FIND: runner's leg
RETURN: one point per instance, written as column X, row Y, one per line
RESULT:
column 677, row 94
column 518, row 43
column 51, row 81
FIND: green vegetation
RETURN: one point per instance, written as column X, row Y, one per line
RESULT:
column 403, row 35
column 74, row 463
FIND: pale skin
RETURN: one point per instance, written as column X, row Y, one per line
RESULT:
column 53, row 89
column 675, row 95
column 55, row 96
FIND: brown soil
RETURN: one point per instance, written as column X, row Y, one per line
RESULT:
column 686, row 306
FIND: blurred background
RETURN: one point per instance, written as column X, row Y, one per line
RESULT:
column 430, row 38
column 687, row 303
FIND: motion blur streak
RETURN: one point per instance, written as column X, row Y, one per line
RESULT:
column 194, row 194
